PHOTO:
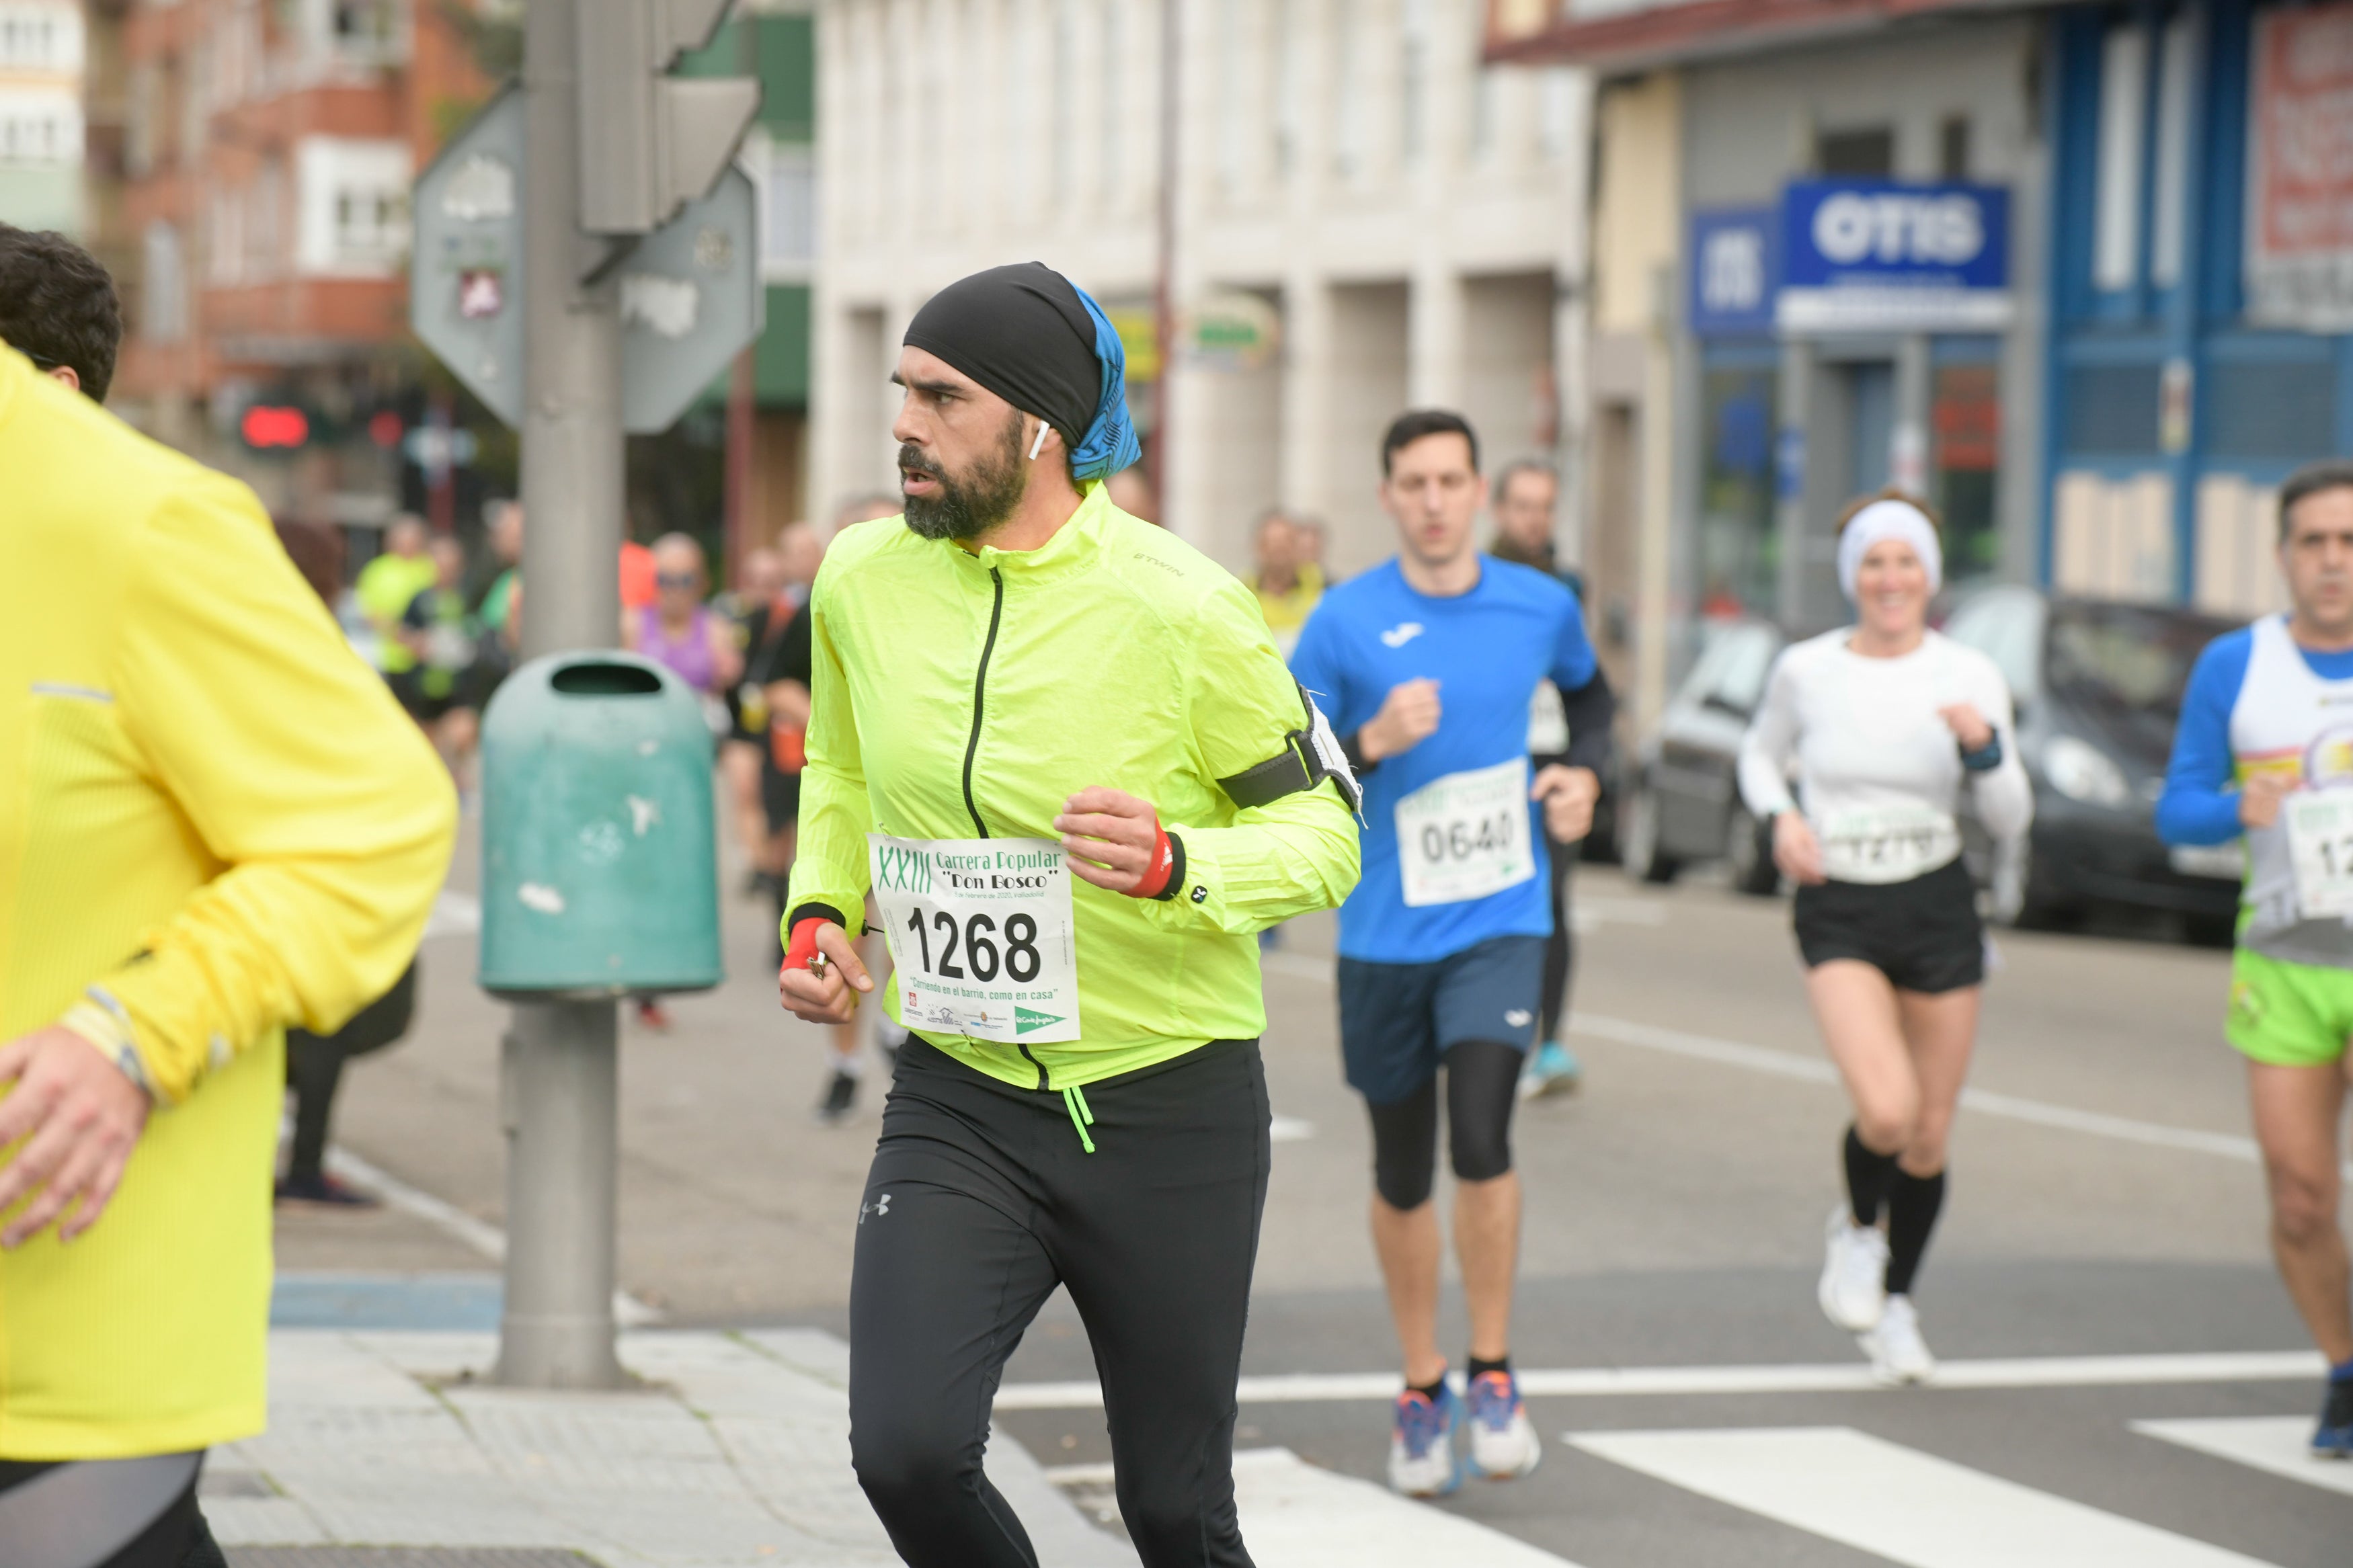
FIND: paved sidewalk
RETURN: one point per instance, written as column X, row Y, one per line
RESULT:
column 735, row 1451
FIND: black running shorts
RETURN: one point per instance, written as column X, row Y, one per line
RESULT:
column 1924, row 934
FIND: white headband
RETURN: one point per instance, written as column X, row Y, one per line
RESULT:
column 1888, row 519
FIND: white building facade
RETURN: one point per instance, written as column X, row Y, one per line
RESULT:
column 1411, row 226
column 42, row 47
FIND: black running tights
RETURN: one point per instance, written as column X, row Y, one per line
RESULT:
column 981, row 1200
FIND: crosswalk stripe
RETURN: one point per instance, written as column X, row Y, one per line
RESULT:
column 1296, row 1515
column 2279, row 1444
column 1834, row 1378
column 1908, row 1507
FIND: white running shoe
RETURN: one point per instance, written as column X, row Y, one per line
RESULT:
column 1854, row 1273
column 1898, row 1354
column 1424, row 1458
column 1504, row 1442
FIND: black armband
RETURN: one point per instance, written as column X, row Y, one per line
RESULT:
column 1986, row 758
column 1310, row 755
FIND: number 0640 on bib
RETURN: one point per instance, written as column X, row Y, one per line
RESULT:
column 980, row 935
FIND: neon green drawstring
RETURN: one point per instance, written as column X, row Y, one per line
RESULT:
column 1074, row 1100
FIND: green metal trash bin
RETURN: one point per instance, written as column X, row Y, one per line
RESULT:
column 599, row 870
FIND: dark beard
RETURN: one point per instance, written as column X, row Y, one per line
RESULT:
column 969, row 506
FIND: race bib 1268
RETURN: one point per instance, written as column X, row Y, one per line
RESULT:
column 980, row 935
column 1465, row 836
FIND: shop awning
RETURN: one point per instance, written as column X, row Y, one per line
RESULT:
column 1620, row 36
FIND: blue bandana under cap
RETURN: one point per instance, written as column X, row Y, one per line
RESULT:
column 1110, row 444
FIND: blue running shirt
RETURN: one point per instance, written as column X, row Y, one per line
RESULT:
column 1487, row 650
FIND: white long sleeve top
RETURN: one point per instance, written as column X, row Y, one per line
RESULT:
column 1879, row 768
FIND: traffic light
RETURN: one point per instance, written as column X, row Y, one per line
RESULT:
column 650, row 142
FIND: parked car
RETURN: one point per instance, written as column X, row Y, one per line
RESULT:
column 1678, row 804
column 2098, row 686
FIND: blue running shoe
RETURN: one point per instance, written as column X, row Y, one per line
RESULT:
column 2334, row 1437
column 1423, row 1459
column 1553, row 1068
column 1504, row 1444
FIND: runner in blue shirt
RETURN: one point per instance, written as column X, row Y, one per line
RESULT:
column 1426, row 665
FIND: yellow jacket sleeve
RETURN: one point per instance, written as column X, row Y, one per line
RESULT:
column 829, row 863
column 1273, row 862
column 330, row 816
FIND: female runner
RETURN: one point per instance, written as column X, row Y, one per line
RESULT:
column 1885, row 721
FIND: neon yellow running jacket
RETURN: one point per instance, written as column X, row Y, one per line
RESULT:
column 963, row 695
column 214, row 822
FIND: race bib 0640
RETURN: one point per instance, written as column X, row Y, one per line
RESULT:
column 980, row 935
column 1465, row 836
column 1887, row 844
column 2320, row 845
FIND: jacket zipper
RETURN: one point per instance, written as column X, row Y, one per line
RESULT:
column 972, row 745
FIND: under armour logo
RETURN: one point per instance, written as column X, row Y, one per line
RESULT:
column 1402, row 633
column 1519, row 1018
column 878, row 1208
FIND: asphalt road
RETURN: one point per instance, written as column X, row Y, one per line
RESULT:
column 2104, row 1203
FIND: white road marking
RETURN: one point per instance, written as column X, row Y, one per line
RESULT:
column 1838, row 1377
column 2279, row 1444
column 454, row 914
column 456, row 1224
column 1905, row 1506
column 1777, row 1063
column 1297, row 1515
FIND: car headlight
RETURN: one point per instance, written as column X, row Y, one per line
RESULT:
column 2081, row 771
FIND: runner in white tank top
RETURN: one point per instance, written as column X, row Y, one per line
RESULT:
column 1885, row 721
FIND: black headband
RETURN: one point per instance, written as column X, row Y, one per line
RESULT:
column 1021, row 332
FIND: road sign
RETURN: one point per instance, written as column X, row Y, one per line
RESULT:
column 691, row 292
column 691, row 298
column 466, row 266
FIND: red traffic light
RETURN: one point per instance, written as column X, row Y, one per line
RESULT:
column 267, row 427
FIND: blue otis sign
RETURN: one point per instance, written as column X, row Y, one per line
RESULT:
column 1884, row 256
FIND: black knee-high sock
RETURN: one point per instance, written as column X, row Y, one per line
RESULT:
column 1867, row 1175
column 1912, row 1205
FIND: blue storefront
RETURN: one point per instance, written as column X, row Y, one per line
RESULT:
column 1848, row 336
column 2200, row 285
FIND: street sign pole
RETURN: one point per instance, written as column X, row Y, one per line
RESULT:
column 561, row 1072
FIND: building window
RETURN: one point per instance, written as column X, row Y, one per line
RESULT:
column 2269, row 409
column 1288, row 88
column 1347, row 97
column 351, row 202
column 789, row 241
column 1863, row 153
column 1111, row 83
column 2111, row 410
column 1952, row 148
column 1061, row 130
column 1413, row 79
column 1965, row 417
column 2168, row 204
column 163, row 284
column 1739, row 546
column 367, row 32
column 1559, row 111
column 2115, row 213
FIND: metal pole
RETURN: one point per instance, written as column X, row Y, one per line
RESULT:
column 1164, row 320
column 561, row 1067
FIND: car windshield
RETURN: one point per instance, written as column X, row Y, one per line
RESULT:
column 2132, row 656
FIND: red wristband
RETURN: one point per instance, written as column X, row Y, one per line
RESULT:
column 1154, row 881
column 803, row 948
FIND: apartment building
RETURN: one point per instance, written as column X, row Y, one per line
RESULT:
column 1365, row 219
column 267, row 156
column 42, row 60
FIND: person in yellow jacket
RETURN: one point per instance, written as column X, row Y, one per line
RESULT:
column 215, row 822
